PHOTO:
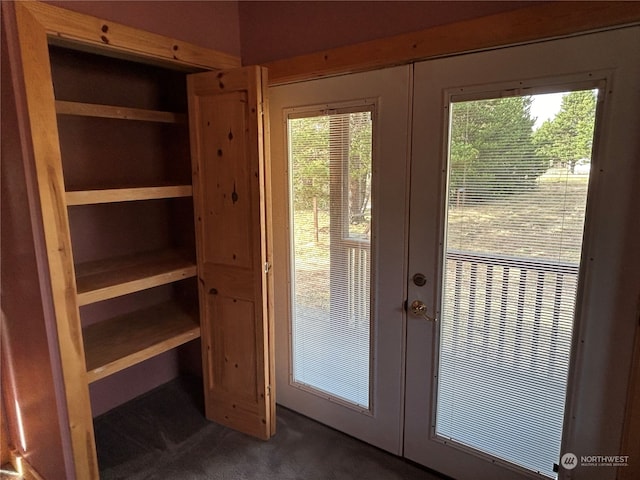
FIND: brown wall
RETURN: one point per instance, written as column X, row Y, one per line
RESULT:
column 273, row 30
column 4, row 433
column 211, row 24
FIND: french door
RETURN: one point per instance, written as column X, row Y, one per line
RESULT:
column 340, row 163
column 460, row 309
column 509, row 216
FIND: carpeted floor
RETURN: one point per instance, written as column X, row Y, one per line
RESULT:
column 163, row 435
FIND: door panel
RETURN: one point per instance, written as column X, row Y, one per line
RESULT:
column 508, row 305
column 225, row 114
column 340, row 284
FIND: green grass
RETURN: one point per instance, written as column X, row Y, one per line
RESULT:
column 521, row 225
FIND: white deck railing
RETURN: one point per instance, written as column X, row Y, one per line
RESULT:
column 519, row 309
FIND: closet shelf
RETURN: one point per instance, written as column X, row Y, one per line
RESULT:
column 110, row 195
column 122, row 113
column 104, row 279
column 120, row 342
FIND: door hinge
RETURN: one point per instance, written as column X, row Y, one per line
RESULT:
column 267, row 267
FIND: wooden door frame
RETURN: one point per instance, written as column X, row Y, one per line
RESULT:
column 32, row 27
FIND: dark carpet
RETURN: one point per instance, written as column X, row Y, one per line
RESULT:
column 163, row 435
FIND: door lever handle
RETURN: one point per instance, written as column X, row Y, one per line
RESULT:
column 419, row 309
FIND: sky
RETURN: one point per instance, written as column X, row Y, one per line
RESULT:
column 545, row 107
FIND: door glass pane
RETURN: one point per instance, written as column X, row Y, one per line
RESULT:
column 518, row 176
column 331, row 205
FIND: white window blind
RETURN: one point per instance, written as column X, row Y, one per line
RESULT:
column 515, row 217
column 331, row 210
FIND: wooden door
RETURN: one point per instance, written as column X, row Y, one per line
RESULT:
column 228, row 135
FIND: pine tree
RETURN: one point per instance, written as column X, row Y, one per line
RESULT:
column 492, row 151
column 568, row 137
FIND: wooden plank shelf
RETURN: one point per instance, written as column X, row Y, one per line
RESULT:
column 122, row 113
column 104, row 279
column 125, row 340
column 111, row 195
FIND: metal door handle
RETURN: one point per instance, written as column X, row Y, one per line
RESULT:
column 419, row 309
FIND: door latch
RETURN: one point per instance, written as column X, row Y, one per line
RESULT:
column 419, row 309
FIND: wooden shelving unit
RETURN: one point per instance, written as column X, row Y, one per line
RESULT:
column 115, row 344
column 109, row 144
column 121, row 341
column 125, row 340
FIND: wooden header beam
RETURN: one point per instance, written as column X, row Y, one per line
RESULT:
column 93, row 34
column 525, row 25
